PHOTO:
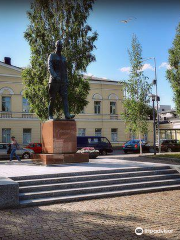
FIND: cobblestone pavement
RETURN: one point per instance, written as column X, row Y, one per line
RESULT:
column 111, row 218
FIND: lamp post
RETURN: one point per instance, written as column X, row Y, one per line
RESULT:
column 154, row 98
column 157, row 98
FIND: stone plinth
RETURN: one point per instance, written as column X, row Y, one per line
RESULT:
column 59, row 136
column 48, row 159
column 59, row 144
column 9, row 193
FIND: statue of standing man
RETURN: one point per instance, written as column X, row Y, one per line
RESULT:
column 58, row 81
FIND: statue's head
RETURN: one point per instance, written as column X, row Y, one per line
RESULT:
column 58, row 45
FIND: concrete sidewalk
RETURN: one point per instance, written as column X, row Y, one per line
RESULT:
column 27, row 168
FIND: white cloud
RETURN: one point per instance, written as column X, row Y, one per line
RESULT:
column 125, row 69
column 147, row 66
column 89, row 74
column 165, row 65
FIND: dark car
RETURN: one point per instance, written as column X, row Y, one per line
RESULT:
column 170, row 145
column 99, row 143
column 134, row 146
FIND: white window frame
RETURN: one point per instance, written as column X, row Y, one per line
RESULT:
column 26, row 134
column 97, row 107
column 112, row 108
column 99, row 132
column 114, row 135
column 25, row 107
column 8, row 110
column 81, row 131
column 7, row 137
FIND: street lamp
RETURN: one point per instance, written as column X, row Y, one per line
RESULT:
column 157, row 98
column 154, row 98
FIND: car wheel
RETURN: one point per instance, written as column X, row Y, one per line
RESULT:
column 125, row 151
column 104, row 152
column 26, row 155
column 169, row 150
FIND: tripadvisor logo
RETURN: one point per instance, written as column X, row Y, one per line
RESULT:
column 138, row 231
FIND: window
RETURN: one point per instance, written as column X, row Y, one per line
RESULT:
column 132, row 135
column 145, row 137
column 93, row 140
column 6, row 135
column 97, row 107
column 26, row 136
column 82, row 111
column 168, row 134
column 112, row 107
column 98, row 132
column 81, row 132
column 104, row 140
column 162, row 134
column 6, row 104
column 26, row 107
column 178, row 134
column 114, row 135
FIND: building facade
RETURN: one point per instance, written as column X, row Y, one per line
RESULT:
column 169, row 123
column 101, row 117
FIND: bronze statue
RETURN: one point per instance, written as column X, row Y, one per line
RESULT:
column 58, row 81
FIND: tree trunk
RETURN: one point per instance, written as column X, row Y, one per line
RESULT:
column 140, row 144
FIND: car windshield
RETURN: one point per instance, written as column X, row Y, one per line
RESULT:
column 136, row 141
column 133, row 142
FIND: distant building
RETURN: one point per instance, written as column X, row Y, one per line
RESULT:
column 169, row 124
column 101, row 117
column 164, row 108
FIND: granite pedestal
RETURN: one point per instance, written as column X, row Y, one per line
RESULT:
column 59, row 144
column 9, row 193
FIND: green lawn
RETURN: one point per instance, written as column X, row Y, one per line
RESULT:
column 176, row 155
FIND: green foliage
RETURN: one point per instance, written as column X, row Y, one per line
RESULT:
column 137, row 89
column 173, row 74
column 52, row 20
column 149, row 110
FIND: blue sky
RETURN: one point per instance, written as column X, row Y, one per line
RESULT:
column 154, row 23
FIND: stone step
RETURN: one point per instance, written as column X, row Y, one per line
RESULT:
column 97, row 189
column 88, row 196
column 94, row 176
column 107, row 171
column 99, row 182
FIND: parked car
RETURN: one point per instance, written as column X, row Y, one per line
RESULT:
column 22, row 152
column 170, row 145
column 98, row 143
column 36, row 147
column 134, row 146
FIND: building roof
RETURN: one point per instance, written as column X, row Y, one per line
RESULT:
column 93, row 78
column 10, row 66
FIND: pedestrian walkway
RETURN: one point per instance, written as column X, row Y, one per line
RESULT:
column 103, row 219
column 27, row 168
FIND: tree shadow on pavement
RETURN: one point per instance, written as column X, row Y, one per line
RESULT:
column 71, row 222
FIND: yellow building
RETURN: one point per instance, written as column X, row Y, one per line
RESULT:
column 100, row 117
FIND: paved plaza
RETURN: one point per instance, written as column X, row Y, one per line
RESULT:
column 111, row 219
column 27, row 168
